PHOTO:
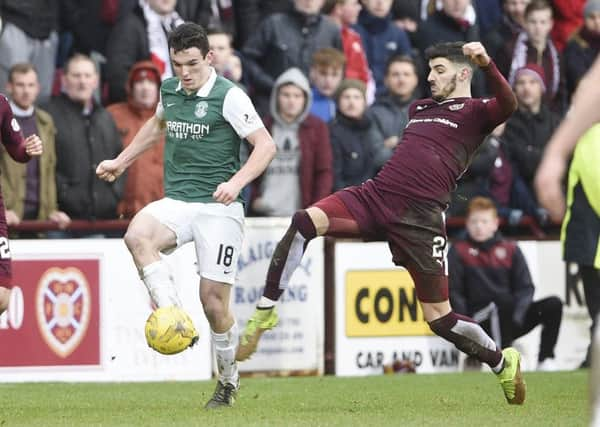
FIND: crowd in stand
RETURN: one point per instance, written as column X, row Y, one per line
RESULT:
column 332, row 79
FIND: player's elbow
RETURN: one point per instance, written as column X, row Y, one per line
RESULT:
column 270, row 149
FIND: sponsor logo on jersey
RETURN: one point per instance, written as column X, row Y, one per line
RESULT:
column 381, row 303
column 187, row 130
column 201, row 109
column 434, row 120
column 63, row 307
column 456, row 107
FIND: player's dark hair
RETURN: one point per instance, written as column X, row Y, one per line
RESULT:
column 452, row 51
column 189, row 35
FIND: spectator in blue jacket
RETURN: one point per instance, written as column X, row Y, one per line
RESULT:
column 490, row 281
column 381, row 38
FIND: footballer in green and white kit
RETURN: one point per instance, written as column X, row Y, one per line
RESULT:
column 204, row 118
column 204, row 131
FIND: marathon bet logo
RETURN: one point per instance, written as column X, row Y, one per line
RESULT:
column 187, row 130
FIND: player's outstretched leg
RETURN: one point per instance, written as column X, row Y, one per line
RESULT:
column 470, row 338
column 286, row 258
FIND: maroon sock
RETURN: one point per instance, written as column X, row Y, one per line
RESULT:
column 468, row 337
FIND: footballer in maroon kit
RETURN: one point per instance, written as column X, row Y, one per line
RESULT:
column 21, row 150
column 405, row 203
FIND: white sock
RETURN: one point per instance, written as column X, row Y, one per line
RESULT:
column 158, row 280
column 225, row 348
column 498, row 368
column 265, row 302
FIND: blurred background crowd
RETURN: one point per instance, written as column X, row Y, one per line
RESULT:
column 332, row 80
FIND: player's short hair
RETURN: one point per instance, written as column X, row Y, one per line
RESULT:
column 328, row 57
column 189, row 35
column 77, row 58
column 20, row 68
column 329, row 5
column 536, row 5
column 401, row 58
column 480, row 203
column 452, row 51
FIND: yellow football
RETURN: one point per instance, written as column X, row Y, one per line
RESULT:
column 170, row 330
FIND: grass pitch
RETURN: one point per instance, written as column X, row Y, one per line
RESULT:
column 468, row 399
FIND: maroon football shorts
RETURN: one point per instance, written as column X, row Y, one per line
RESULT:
column 416, row 237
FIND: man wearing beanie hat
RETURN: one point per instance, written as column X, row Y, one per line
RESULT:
column 583, row 47
column 350, row 84
column 526, row 135
column 144, row 181
column 356, row 141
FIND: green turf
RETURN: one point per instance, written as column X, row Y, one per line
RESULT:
column 469, row 399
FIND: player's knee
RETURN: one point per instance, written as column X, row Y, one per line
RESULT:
column 302, row 222
column 135, row 240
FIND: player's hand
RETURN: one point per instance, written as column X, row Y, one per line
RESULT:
column 109, row 170
column 62, row 219
column 12, row 218
column 226, row 193
column 33, row 145
column 547, row 184
column 477, row 53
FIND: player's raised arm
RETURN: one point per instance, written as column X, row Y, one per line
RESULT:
column 505, row 102
column 148, row 135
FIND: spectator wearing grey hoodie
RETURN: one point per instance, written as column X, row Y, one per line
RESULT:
column 302, row 171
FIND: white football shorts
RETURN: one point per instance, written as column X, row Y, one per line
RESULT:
column 216, row 230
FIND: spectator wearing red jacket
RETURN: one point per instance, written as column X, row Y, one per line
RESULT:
column 568, row 17
column 345, row 13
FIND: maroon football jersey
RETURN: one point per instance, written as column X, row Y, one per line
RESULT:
column 10, row 131
column 13, row 140
column 437, row 146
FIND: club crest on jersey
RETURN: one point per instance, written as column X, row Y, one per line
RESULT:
column 63, row 306
column 501, row 253
column 15, row 125
column 201, row 109
column 456, row 107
